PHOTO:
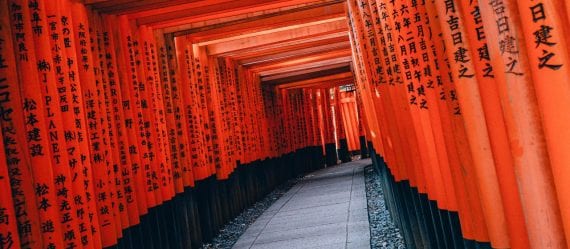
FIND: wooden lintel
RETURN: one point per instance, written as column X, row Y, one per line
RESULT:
column 335, row 77
column 292, row 45
column 260, row 20
column 279, row 37
column 184, row 16
column 330, row 57
column 321, row 72
column 306, row 66
column 295, row 53
column 302, row 71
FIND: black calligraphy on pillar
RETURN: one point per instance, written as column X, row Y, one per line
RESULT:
column 543, row 38
column 508, row 45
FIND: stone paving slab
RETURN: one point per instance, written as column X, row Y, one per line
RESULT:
column 327, row 209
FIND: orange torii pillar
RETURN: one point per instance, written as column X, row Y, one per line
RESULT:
column 340, row 128
column 348, row 111
column 362, row 126
column 328, row 128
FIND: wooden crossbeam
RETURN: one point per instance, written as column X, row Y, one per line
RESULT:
column 295, row 53
column 184, row 15
column 334, row 26
column 254, row 21
column 315, row 64
column 304, row 75
column 304, row 71
column 331, row 80
column 328, row 56
column 281, row 47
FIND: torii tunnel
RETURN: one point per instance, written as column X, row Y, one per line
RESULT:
column 152, row 123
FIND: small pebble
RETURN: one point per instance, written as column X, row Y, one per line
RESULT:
column 231, row 232
column 383, row 231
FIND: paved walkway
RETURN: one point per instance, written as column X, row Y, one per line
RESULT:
column 327, row 209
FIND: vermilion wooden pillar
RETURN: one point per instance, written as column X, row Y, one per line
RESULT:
column 35, row 128
column 545, row 30
column 340, row 128
column 55, row 128
column 19, row 175
column 472, row 110
column 103, row 187
column 488, row 77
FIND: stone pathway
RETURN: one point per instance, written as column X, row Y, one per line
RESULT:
column 327, row 209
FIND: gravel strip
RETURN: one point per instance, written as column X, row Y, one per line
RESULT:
column 231, row 232
column 383, row 231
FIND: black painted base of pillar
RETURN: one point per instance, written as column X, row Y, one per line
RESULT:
column 330, row 154
column 195, row 216
column 343, row 153
column 422, row 223
column 364, row 153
